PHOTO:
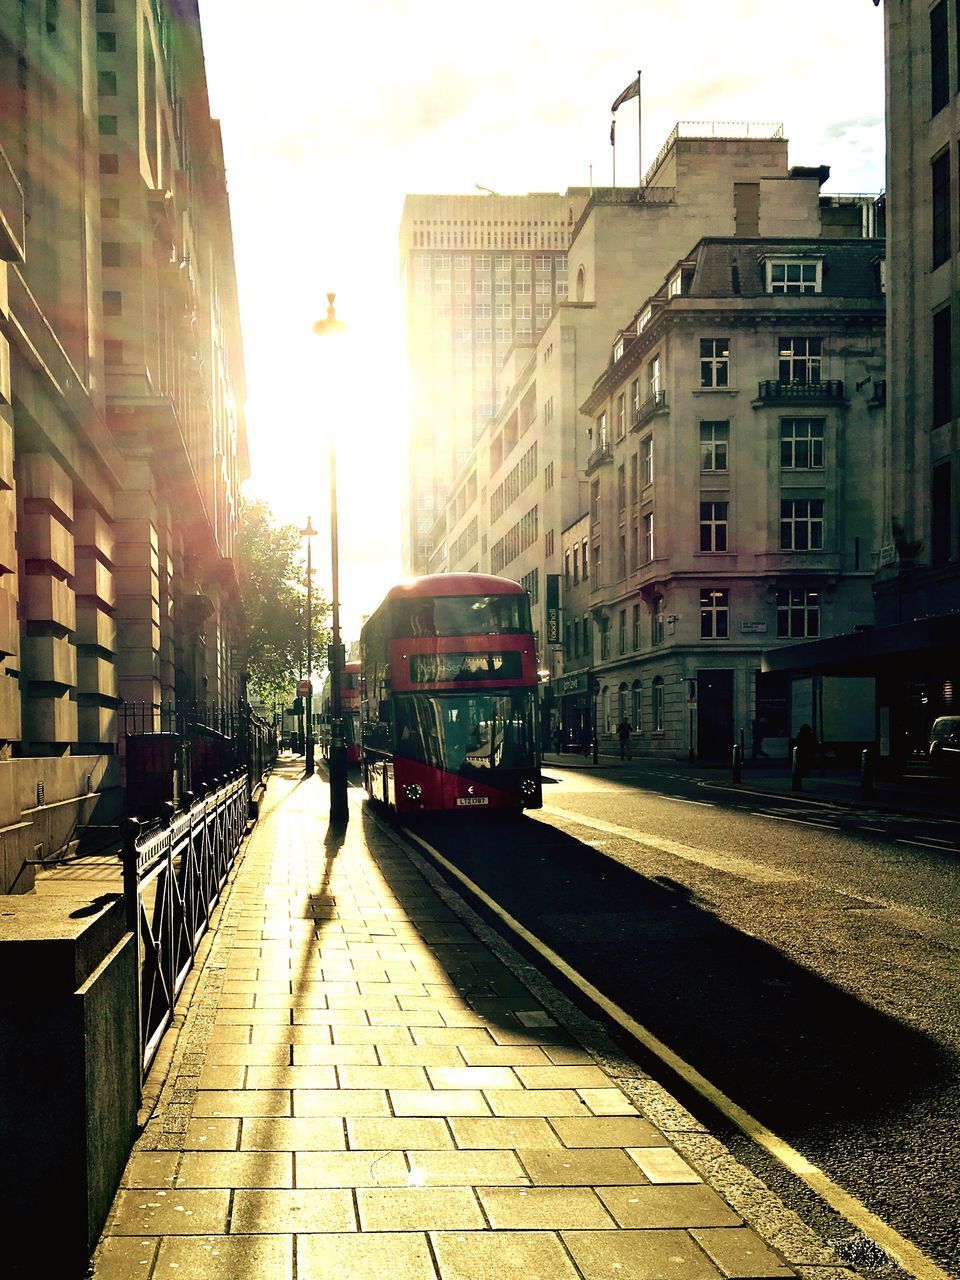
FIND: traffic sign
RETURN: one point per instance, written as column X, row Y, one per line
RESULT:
column 303, row 688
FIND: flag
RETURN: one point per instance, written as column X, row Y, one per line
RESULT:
column 631, row 91
column 613, row 127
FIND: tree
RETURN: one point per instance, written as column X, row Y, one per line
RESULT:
column 272, row 572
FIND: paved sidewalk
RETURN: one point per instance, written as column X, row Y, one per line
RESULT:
column 362, row 1089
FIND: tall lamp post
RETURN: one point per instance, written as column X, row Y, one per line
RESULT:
column 308, row 765
column 328, row 327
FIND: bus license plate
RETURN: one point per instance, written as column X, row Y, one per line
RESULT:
column 473, row 800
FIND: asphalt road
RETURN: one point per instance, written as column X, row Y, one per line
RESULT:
column 802, row 957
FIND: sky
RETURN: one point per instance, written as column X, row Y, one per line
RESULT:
column 331, row 113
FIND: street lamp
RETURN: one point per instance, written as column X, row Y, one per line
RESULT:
column 328, row 327
column 308, row 766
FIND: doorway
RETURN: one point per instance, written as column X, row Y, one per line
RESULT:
column 715, row 737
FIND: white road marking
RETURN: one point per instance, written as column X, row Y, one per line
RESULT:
column 904, row 1252
column 803, row 822
column 703, row 804
column 926, row 844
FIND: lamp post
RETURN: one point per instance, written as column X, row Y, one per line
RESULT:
column 327, row 327
column 308, row 764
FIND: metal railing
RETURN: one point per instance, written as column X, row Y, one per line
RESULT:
column 804, row 392
column 653, row 404
column 602, row 453
column 732, row 129
column 173, row 876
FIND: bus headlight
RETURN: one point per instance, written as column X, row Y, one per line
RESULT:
column 529, row 787
column 413, row 791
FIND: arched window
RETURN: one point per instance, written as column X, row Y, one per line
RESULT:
column 637, row 708
column 581, row 283
column 621, row 702
column 658, row 705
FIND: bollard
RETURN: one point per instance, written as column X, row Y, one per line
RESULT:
column 866, row 773
column 737, row 762
column 795, row 772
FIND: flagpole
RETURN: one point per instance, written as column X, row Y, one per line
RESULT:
column 613, row 145
column 639, row 137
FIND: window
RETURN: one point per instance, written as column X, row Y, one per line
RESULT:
column 522, row 263
column 561, row 289
column 801, row 524
column 542, row 262
column 483, row 335
column 714, row 442
column 521, row 286
column 942, row 355
column 462, row 286
column 637, row 625
column 601, row 429
column 800, row 360
column 635, row 399
column 644, row 319
column 801, row 443
column 543, row 310
column 109, row 163
column 106, row 42
column 112, row 302
column 621, row 556
column 595, row 567
column 940, row 192
column 585, row 557
column 605, row 639
column 503, row 287
column 634, row 479
column 621, row 488
column 657, row 706
column 548, row 544
column 939, row 58
column 503, row 263
column 636, row 709
column 714, row 362
column 504, row 333
column 622, row 643
column 109, row 207
column 675, row 285
column 646, row 459
column 653, row 376
column 544, row 288
column 567, row 642
column 482, row 262
column 106, row 83
column 576, row 641
column 442, row 262
column 587, row 636
column 576, row 566
column 548, row 476
column 523, row 311
column 503, row 311
column 940, row 514
column 482, row 311
column 713, row 526
column 482, row 287
column 793, row 275
column 798, row 613
column 566, row 567
column 648, row 537
column 621, row 416
column 714, row 614
column 441, row 288
column 656, row 620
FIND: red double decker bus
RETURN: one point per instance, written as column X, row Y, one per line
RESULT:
column 449, row 696
column 350, row 705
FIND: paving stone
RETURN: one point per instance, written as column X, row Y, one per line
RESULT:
column 168, row 1212
column 502, row 1133
column 340, row 1102
column 221, row 1077
column 277, row 1133
column 252, row 1017
column 473, row 1078
column 470, row 1168
column 292, row 1077
column 640, row 1255
column 663, row 1164
column 151, row 1169
column 576, row 1077
column 543, row 1208
column 568, row 1055
column 667, row 1207
column 582, row 1167
column 607, row 1102
column 231, row 1035
column 607, row 1131
column 419, row 1055
column 534, row 1102
column 291, row 1211
column 525, row 1255
column 347, row 1055
column 419, row 1209
column 741, row 1254
column 124, row 1257
column 212, row 1135
column 236, row 1169
column 438, row 1102
column 504, row 1055
column 268, row 1257
column 452, row 1035
column 352, row 1169
column 382, row 1078
column 247, row 1055
column 382, row 1256
column 397, row 1133
column 372, row 1035
column 243, row 1102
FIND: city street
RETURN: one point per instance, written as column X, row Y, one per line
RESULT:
column 798, row 955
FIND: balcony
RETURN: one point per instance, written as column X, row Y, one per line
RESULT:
column 601, row 454
column 657, row 403
column 799, row 393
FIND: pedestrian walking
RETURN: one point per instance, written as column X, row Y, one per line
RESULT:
column 623, row 733
column 806, row 744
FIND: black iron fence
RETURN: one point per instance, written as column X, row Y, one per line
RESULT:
column 173, row 875
column 168, row 749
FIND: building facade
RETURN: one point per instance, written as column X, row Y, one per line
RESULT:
column 122, row 441
column 736, row 449
column 525, row 483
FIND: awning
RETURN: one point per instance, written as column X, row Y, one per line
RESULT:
column 924, row 642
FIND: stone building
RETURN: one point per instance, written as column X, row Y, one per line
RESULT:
column 524, row 482
column 121, row 390
column 736, row 448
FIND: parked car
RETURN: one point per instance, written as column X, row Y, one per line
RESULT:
column 944, row 750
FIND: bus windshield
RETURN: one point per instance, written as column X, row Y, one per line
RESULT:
column 468, row 733
column 460, row 616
